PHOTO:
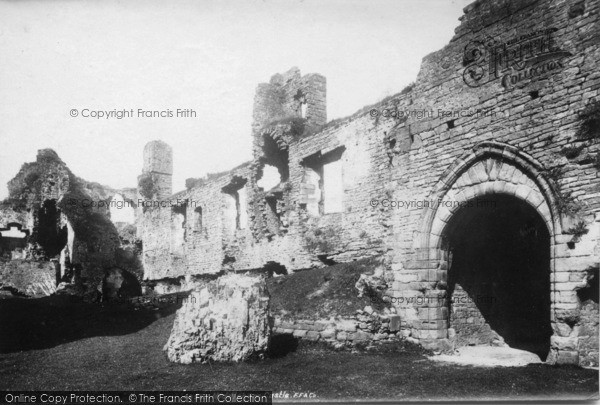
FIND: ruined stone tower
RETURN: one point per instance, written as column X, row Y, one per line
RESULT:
column 290, row 95
column 288, row 107
column 158, row 164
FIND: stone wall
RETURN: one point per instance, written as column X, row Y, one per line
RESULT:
column 35, row 279
column 65, row 218
column 479, row 122
column 367, row 326
column 535, row 122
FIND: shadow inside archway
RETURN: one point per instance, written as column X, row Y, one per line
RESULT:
column 499, row 274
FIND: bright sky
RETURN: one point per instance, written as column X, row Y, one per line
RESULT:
column 204, row 55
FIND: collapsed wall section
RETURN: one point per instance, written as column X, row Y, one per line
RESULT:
column 54, row 220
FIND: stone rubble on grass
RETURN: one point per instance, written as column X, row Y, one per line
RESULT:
column 226, row 319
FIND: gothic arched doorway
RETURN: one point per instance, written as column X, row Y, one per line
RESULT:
column 499, row 274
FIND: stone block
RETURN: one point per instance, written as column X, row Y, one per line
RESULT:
column 567, row 357
column 347, row 326
column 438, row 345
column 237, row 315
column 300, row 333
column 328, row 333
column 361, row 336
column 312, row 335
column 561, row 329
column 563, row 343
column 435, row 334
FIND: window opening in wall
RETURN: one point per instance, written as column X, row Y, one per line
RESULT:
column 275, row 154
column 271, row 178
column 235, row 214
column 50, row 235
column 178, row 225
column 121, row 211
column 198, row 225
column 300, row 97
column 322, row 186
column 333, row 188
column 13, row 239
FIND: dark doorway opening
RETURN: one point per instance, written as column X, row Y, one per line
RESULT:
column 499, row 274
column 50, row 235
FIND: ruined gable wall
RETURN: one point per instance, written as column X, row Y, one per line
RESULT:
column 92, row 239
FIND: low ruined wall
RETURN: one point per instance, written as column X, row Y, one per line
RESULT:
column 366, row 326
column 37, row 279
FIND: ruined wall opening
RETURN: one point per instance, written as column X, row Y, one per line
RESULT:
column 178, row 225
column 590, row 291
column 118, row 284
column 276, row 154
column 122, row 211
column 198, row 220
column 273, row 215
column 322, row 185
column 333, row 188
column 51, row 237
column 311, row 191
column 499, row 274
column 235, row 212
column 13, row 241
column 274, row 269
column 270, row 178
column 300, row 98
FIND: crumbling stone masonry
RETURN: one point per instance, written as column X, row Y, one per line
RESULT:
column 479, row 185
column 56, row 231
column 222, row 320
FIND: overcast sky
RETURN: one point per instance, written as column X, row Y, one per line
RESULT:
column 208, row 56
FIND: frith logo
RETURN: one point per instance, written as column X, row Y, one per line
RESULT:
column 521, row 58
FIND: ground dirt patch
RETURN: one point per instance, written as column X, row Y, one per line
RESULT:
column 320, row 293
column 131, row 358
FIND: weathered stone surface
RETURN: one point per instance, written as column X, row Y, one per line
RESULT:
column 36, row 279
column 63, row 218
column 223, row 320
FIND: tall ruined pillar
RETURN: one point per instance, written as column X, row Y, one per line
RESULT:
column 156, row 181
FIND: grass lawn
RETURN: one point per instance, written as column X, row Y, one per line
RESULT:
column 54, row 344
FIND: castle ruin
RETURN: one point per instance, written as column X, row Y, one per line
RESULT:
column 478, row 187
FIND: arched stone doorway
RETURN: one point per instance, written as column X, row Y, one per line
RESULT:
column 498, row 285
column 426, row 286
